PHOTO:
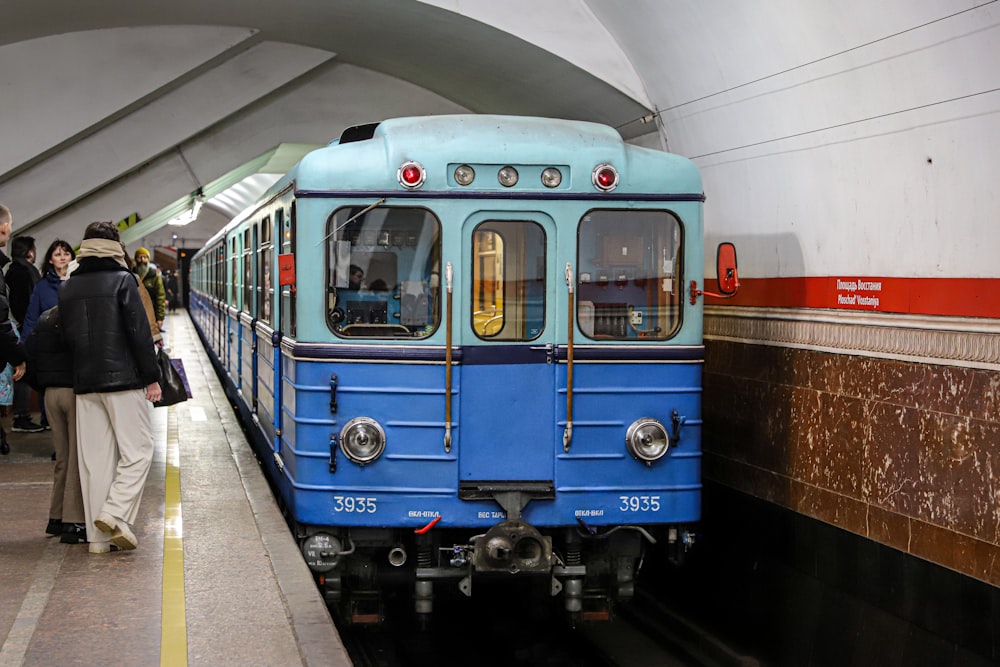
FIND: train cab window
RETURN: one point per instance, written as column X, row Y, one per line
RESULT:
column 508, row 280
column 383, row 270
column 628, row 275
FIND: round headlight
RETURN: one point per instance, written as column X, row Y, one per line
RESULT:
column 605, row 177
column 507, row 176
column 411, row 174
column 362, row 440
column 464, row 174
column 551, row 177
column 647, row 440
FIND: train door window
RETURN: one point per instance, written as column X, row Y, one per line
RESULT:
column 220, row 275
column 287, row 225
column 235, row 278
column 383, row 270
column 629, row 283
column 508, row 280
column 248, row 244
column 264, row 289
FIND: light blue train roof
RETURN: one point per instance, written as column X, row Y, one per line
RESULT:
column 440, row 141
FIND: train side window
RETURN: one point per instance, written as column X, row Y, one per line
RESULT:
column 508, row 280
column 629, row 283
column 248, row 245
column 264, row 288
column 383, row 272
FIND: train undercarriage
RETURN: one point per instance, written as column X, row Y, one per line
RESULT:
column 590, row 568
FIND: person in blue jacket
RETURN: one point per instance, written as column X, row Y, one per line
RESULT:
column 46, row 294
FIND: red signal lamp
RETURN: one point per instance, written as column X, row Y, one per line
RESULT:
column 605, row 177
column 411, row 174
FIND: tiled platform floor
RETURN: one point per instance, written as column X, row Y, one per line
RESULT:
column 239, row 595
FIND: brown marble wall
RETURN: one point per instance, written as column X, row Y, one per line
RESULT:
column 904, row 453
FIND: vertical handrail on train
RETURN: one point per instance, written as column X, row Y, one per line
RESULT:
column 447, row 359
column 568, row 433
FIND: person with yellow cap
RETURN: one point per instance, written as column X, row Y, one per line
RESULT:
column 153, row 283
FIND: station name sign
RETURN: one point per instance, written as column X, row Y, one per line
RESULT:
column 859, row 292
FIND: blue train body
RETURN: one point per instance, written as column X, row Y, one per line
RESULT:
column 466, row 349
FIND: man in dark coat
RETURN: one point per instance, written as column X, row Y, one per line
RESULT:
column 21, row 279
column 114, row 375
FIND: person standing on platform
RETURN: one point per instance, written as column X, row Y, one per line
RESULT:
column 50, row 372
column 114, row 375
column 151, row 280
column 11, row 350
column 147, row 304
column 56, row 372
column 21, row 279
column 172, row 287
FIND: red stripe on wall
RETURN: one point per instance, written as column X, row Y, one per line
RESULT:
column 958, row 297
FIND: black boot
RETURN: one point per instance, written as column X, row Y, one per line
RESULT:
column 4, row 445
column 73, row 533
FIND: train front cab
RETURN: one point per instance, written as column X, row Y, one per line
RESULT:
column 567, row 431
column 512, row 390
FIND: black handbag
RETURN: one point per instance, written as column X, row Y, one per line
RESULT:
column 171, row 383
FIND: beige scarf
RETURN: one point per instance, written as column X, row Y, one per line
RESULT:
column 102, row 248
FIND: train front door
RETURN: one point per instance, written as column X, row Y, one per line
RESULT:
column 506, row 421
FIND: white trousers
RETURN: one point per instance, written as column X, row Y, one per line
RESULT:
column 114, row 435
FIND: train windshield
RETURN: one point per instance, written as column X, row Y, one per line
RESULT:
column 383, row 270
column 628, row 275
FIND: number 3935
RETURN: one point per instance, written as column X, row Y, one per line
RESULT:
column 639, row 503
column 356, row 504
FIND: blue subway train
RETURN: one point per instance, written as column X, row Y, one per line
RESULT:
column 468, row 348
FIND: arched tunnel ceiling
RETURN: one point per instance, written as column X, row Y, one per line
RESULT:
column 132, row 107
column 827, row 133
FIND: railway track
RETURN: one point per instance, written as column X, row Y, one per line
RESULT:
column 643, row 633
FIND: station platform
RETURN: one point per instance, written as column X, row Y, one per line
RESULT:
column 217, row 578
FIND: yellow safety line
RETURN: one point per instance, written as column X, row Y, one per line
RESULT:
column 173, row 619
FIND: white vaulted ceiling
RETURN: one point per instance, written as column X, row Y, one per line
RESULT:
column 829, row 134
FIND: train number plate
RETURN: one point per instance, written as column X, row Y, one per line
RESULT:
column 355, row 504
column 639, row 503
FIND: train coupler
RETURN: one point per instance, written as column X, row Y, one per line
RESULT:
column 514, row 547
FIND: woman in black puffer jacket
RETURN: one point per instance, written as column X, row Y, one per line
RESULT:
column 115, row 376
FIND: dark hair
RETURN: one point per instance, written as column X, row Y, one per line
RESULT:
column 102, row 230
column 20, row 246
column 55, row 245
